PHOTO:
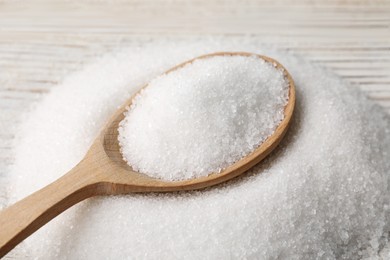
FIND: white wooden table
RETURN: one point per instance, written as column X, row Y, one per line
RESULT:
column 42, row 41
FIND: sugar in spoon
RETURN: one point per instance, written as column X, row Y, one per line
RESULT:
column 104, row 172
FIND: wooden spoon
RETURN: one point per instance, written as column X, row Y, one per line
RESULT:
column 103, row 172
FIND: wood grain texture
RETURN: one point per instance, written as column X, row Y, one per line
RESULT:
column 43, row 41
column 26, row 216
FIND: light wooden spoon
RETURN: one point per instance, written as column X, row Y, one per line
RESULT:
column 103, row 172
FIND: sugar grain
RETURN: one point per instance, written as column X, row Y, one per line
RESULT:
column 203, row 117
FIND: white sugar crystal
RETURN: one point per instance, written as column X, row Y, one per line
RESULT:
column 203, row 117
column 323, row 193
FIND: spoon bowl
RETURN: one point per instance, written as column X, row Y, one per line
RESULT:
column 104, row 172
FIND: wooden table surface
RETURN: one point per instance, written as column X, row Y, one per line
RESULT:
column 42, row 41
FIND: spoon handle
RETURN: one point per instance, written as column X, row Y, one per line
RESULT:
column 20, row 220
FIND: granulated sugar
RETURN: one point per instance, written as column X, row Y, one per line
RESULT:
column 323, row 194
column 203, row 117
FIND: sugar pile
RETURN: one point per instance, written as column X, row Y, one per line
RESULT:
column 324, row 193
column 203, row 117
